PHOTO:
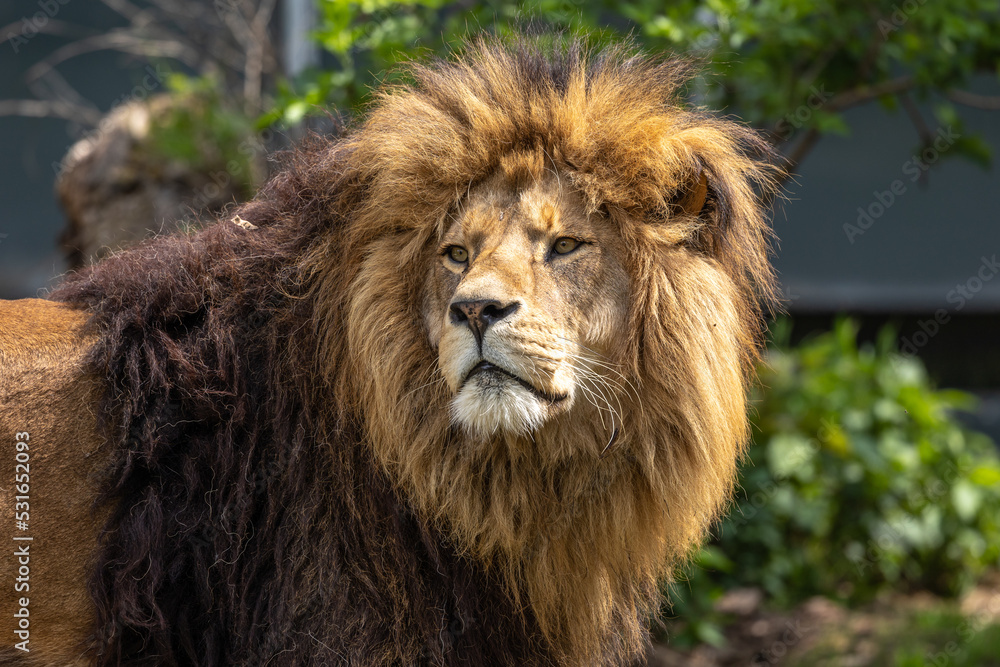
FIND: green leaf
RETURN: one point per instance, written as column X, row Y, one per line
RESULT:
column 709, row 633
column 967, row 499
column 295, row 112
column 975, row 148
column 986, row 475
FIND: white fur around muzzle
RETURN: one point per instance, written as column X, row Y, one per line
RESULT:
column 485, row 407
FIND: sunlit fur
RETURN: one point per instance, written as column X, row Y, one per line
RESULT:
column 550, row 346
column 515, row 411
column 583, row 540
column 287, row 382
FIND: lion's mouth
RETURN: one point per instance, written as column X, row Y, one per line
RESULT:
column 486, row 367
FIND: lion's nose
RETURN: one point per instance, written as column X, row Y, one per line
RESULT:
column 480, row 315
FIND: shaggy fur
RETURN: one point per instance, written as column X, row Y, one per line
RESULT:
column 284, row 485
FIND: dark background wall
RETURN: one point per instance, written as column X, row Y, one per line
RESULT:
column 33, row 147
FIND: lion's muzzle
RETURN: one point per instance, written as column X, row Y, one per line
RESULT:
column 479, row 315
column 486, row 368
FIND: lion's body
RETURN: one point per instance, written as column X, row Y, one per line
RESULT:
column 464, row 391
column 45, row 392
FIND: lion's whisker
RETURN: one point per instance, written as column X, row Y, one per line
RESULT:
column 608, row 383
column 428, row 384
column 589, row 395
column 607, row 366
column 594, row 395
column 600, row 392
column 613, row 369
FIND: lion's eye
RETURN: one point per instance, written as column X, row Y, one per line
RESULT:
column 458, row 254
column 565, row 245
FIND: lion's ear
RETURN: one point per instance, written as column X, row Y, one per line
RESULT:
column 691, row 198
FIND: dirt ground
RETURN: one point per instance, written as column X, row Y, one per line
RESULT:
column 757, row 637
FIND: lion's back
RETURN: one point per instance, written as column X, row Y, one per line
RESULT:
column 46, row 482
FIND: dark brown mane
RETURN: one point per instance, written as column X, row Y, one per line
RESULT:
column 231, row 517
column 249, row 521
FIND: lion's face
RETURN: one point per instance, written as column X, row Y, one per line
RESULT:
column 528, row 296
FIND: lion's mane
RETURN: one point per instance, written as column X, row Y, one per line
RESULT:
column 284, row 486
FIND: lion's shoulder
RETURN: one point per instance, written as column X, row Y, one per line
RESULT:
column 43, row 346
column 36, row 331
column 42, row 349
column 46, row 404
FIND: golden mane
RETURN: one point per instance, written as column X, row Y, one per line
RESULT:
column 585, row 539
column 294, row 346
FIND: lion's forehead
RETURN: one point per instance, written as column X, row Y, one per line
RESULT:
column 500, row 212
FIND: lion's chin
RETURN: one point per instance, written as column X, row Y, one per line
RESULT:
column 487, row 407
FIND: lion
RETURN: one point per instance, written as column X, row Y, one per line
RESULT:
column 461, row 386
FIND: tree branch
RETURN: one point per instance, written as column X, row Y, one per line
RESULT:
column 52, row 27
column 116, row 40
column 853, row 98
column 926, row 136
column 965, row 98
column 48, row 109
column 792, row 160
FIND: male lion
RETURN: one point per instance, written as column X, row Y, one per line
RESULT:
column 459, row 387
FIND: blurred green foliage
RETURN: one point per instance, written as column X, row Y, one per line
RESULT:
column 203, row 130
column 860, row 465
column 860, row 480
column 790, row 67
column 938, row 637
